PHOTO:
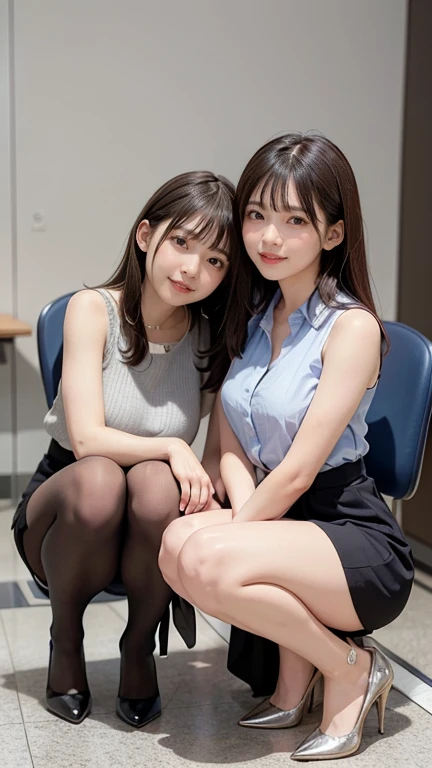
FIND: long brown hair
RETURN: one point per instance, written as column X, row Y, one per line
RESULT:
column 323, row 177
column 210, row 199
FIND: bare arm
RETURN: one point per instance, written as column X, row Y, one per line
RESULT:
column 85, row 331
column 238, row 473
column 212, row 453
column 350, row 365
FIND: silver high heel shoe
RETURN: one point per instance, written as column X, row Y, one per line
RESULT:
column 266, row 715
column 322, row 746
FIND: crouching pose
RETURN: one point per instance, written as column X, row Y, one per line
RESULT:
column 310, row 556
column 119, row 467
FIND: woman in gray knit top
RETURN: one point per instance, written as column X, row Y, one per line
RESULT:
column 119, row 468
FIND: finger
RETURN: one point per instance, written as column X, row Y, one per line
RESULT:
column 185, row 494
column 204, row 498
column 194, row 496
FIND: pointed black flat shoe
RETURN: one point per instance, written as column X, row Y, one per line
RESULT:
column 138, row 712
column 73, row 706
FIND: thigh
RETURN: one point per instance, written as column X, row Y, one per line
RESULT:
column 296, row 556
column 94, row 486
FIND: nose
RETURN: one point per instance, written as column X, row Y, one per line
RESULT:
column 271, row 235
column 191, row 266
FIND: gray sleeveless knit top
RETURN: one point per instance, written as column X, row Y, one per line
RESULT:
column 160, row 397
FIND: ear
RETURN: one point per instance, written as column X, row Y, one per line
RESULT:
column 335, row 235
column 143, row 234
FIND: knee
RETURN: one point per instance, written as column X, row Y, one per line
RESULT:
column 203, row 568
column 173, row 539
column 153, row 496
column 99, row 494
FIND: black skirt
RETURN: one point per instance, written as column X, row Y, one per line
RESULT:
column 375, row 556
column 53, row 461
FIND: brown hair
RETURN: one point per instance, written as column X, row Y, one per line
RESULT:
column 187, row 196
column 322, row 176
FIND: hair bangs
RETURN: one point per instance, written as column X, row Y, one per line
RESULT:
column 214, row 227
column 274, row 188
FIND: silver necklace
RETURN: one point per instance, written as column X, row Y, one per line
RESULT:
column 159, row 327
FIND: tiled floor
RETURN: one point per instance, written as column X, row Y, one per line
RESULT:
column 202, row 701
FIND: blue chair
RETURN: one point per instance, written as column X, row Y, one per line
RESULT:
column 399, row 416
column 50, row 344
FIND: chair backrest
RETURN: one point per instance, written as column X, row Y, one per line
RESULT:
column 399, row 416
column 50, row 344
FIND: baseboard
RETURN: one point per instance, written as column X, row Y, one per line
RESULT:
column 421, row 552
column 6, row 485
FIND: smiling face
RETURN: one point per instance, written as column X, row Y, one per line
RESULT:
column 182, row 269
column 283, row 243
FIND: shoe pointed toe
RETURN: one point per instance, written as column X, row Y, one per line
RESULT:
column 138, row 712
column 267, row 715
column 73, row 707
column 261, row 716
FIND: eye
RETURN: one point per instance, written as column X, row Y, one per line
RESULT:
column 297, row 221
column 179, row 240
column 255, row 215
column 215, row 262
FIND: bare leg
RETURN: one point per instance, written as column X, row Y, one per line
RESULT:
column 294, row 671
column 282, row 580
column 72, row 544
column 175, row 537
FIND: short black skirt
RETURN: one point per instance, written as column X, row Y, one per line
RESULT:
column 377, row 560
column 53, row 461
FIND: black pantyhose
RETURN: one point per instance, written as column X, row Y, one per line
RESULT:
column 73, row 543
column 153, row 502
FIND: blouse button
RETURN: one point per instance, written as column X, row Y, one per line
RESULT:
column 247, row 390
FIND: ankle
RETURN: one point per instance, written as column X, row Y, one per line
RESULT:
column 67, row 641
column 353, row 669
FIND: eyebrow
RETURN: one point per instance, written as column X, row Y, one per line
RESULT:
column 259, row 205
column 190, row 233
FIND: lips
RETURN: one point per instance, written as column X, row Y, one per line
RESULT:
column 180, row 286
column 271, row 258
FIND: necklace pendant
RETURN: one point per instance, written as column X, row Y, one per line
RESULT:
column 352, row 656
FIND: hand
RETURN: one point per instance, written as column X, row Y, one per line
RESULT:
column 196, row 486
column 211, row 505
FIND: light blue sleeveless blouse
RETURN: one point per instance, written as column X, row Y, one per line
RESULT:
column 265, row 404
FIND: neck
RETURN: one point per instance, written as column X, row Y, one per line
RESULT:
column 296, row 290
column 155, row 311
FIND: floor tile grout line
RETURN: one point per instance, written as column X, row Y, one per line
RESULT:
column 16, row 687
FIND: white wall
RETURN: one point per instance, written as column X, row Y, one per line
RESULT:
column 6, row 246
column 114, row 98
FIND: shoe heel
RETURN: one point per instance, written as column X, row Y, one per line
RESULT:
column 315, row 699
column 310, row 704
column 381, row 705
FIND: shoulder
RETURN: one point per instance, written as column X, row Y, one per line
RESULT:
column 355, row 329
column 358, row 321
column 86, row 307
column 88, row 300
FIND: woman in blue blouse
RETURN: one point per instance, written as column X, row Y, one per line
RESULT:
column 314, row 556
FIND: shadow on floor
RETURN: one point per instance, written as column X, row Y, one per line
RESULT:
column 202, row 704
